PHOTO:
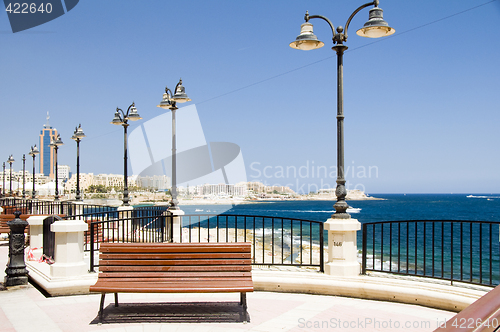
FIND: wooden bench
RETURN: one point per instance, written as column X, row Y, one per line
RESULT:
column 5, row 218
column 174, row 268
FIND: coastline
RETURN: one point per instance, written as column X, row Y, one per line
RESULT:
column 352, row 195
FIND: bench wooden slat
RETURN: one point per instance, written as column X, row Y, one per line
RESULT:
column 170, row 262
column 106, row 256
column 132, row 280
column 176, row 268
column 172, row 274
column 178, row 287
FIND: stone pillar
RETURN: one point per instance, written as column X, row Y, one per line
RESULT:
column 342, row 248
column 36, row 235
column 124, row 225
column 174, row 222
column 69, row 255
column 16, row 271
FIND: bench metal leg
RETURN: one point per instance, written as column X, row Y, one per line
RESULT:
column 116, row 299
column 243, row 303
column 101, row 307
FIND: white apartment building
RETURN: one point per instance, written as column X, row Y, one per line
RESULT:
column 63, row 173
column 158, row 182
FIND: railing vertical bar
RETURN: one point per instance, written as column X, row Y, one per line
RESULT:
column 245, row 229
column 300, row 244
column 491, row 254
column 433, row 247
column 310, row 244
column 227, row 230
column 480, row 253
column 382, row 247
column 461, row 251
column 282, row 240
column 373, row 247
column 92, row 248
column 208, row 229
column 236, row 229
column 199, row 229
column 442, row 249
column 217, row 229
column 254, row 239
column 263, row 241
column 321, row 248
column 399, row 247
column 291, row 242
column 416, row 247
column 190, row 227
column 390, row 247
column 363, row 253
column 272, row 241
column 470, row 253
column 425, row 245
column 451, row 245
column 407, row 247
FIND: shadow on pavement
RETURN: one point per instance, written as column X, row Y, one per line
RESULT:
column 182, row 312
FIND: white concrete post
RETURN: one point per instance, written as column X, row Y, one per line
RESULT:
column 175, row 221
column 125, row 216
column 69, row 255
column 36, row 235
column 342, row 248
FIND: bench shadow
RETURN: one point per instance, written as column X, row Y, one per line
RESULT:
column 174, row 312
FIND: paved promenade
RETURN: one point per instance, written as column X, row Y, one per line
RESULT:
column 27, row 309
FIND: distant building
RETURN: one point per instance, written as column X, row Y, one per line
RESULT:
column 63, row 173
column 47, row 160
column 158, row 182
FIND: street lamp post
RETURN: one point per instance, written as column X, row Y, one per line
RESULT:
column 10, row 161
column 77, row 136
column 122, row 119
column 56, row 143
column 375, row 27
column 24, row 176
column 170, row 102
column 33, row 152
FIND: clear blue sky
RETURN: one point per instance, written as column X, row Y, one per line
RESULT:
column 422, row 107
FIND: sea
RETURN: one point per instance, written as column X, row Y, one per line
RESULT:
column 471, row 259
column 390, row 207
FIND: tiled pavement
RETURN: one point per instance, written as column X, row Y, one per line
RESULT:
column 26, row 309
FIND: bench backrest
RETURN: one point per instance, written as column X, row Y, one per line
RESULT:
column 175, row 260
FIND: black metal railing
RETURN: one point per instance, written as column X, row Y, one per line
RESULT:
column 275, row 240
column 128, row 226
column 454, row 250
column 45, row 207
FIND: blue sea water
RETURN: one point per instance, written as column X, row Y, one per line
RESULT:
column 477, row 207
column 475, row 254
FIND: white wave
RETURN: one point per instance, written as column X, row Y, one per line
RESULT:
column 353, row 210
column 487, row 197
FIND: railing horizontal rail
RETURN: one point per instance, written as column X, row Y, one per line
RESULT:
column 275, row 240
column 456, row 250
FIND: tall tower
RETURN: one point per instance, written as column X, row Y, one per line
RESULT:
column 46, row 151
